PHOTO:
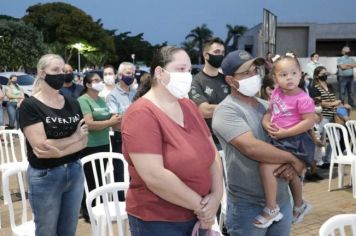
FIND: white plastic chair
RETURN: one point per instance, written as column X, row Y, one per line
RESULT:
column 338, row 223
column 224, row 198
column 27, row 226
column 107, row 177
column 114, row 211
column 351, row 127
column 335, row 133
column 8, row 154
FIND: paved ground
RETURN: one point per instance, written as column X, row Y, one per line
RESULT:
column 325, row 204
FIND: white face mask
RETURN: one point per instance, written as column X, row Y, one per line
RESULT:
column 97, row 86
column 179, row 83
column 109, row 79
column 250, row 86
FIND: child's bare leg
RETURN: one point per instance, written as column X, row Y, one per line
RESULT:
column 269, row 184
column 297, row 191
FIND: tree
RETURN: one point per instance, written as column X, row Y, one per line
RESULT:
column 127, row 45
column 233, row 32
column 190, row 48
column 199, row 35
column 63, row 24
column 21, row 45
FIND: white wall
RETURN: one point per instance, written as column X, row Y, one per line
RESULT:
column 329, row 62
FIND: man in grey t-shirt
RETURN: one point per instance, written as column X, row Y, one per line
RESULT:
column 237, row 124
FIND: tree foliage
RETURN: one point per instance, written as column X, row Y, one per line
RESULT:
column 233, row 32
column 199, row 35
column 127, row 45
column 190, row 47
column 63, row 24
column 20, row 45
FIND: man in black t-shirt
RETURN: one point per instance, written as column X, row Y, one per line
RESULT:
column 69, row 88
column 208, row 86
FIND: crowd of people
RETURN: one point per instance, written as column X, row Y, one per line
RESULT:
column 170, row 130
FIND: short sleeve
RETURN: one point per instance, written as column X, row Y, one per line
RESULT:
column 112, row 103
column 28, row 114
column 228, row 123
column 196, row 92
column 339, row 61
column 314, row 92
column 84, row 105
column 305, row 105
column 141, row 132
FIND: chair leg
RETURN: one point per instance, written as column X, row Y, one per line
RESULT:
column 353, row 176
column 221, row 221
column 330, row 174
column 341, row 172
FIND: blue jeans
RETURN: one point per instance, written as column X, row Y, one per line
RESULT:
column 55, row 195
column 346, row 84
column 12, row 112
column 240, row 216
column 161, row 228
column 1, row 115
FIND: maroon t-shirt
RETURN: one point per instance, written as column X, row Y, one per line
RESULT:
column 187, row 152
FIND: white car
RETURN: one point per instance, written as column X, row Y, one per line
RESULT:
column 25, row 81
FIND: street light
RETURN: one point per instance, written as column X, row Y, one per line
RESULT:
column 79, row 47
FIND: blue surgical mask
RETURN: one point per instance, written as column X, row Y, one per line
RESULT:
column 128, row 80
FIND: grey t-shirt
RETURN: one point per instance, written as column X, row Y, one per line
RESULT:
column 231, row 119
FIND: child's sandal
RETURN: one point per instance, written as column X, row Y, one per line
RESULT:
column 302, row 211
column 275, row 215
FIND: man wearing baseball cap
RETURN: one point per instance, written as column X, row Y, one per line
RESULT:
column 237, row 124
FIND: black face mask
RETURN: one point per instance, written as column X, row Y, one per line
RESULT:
column 323, row 77
column 68, row 77
column 55, row 81
column 215, row 60
column 347, row 53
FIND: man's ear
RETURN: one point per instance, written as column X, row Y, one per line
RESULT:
column 231, row 81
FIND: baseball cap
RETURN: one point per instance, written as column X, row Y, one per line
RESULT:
column 239, row 61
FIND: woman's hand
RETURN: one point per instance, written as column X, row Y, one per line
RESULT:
column 82, row 130
column 115, row 119
column 207, row 213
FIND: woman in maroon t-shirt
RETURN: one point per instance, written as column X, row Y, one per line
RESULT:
column 176, row 174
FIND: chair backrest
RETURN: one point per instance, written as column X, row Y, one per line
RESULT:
column 102, row 161
column 108, row 194
column 8, row 146
column 19, row 171
column 351, row 127
column 335, row 133
column 223, row 160
column 338, row 223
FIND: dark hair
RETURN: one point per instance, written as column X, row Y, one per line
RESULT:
column 210, row 42
column 313, row 54
column 145, row 85
column 9, row 82
column 317, row 71
column 109, row 66
column 87, row 80
column 284, row 58
column 267, row 82
column 161, row 57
